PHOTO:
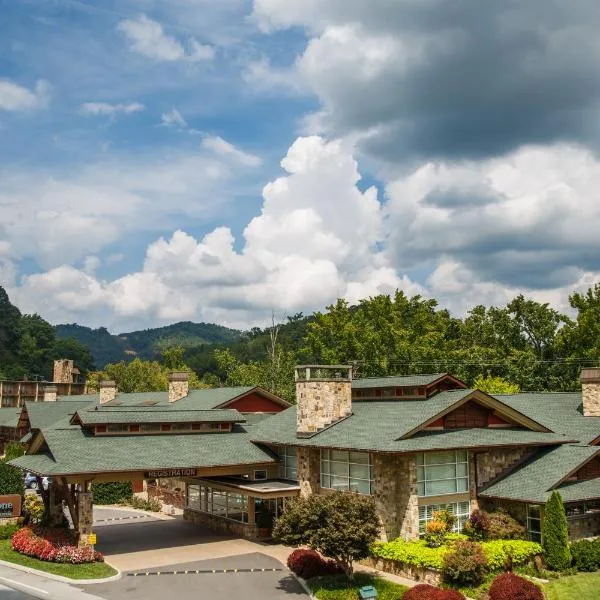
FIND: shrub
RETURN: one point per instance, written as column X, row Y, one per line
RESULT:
column 11, row 478
column 34, row 509
column 465, row 563
column 477, row 525
column 424, row 591
column 52, row 545
column 512, row 587
column 555, row 534
column 152, row 504
column 435, row 533
column 501, row 526
column 518, row 552
column 8, row 530
column 111, row 492
column 306, row 563
column 586, row 555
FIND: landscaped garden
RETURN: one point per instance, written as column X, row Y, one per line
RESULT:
column 489, row 559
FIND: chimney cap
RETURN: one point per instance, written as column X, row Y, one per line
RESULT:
column 179, row 376
column 590, row 375
column 108, row 383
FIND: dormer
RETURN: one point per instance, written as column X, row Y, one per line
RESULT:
column 410, row 387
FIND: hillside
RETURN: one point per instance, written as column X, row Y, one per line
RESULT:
column 108, row 348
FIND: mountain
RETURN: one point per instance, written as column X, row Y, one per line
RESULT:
column 108, row 348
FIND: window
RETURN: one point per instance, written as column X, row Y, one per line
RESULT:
column 216, row 502
column 150, row 427
column 117, row 427
column 534, row 523
column 288, row 468
column 181, row 426
column 442, row 473
column 260, row 475
column 343, row 470
column 459, row 509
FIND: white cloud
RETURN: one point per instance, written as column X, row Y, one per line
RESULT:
column 105, row 108
column 14, row 97
column 222, row 147
column 148, row 37
column 262, row 77
column 173, row 118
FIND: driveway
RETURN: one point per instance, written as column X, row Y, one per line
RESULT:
column 250, row 581
column 133, row 540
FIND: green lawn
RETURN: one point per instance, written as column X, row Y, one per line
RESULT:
column 337, row 588
column 583, row 586
column 85, row 571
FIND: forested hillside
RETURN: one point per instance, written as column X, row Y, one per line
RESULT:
column 28, row 345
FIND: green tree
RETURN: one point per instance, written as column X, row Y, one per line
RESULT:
column 342, row 526
column 555, row 534
column 495, row 385
column 11, row 478
column 10, row 333
column 74, row 350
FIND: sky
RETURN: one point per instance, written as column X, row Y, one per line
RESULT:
column 170, row 160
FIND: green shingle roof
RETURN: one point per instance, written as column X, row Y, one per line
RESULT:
column 45, row 414
column 146, row 415
column 535, row 480
column 9, row 417
column 140, row 452
column 401, row 381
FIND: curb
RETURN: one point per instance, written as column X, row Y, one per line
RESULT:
column 60, row 578
column 303, row 585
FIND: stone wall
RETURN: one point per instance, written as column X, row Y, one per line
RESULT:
column 493, row 462
column 178, row 385
column 108, row 391
column 420, row 574
column 321, row 402
column 591, row 398
column 63, row 371
column 395, row 494
column 309, row 469
column 216, row 523
column 584, row 526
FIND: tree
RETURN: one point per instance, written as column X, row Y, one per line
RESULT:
column 10, row 333
column 555, row 534
column 11, row 478
column 76, row 351
column 342, row 526
column 495, row 385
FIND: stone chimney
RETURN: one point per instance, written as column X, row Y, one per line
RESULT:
column 323, row 396
column 590, row 392
column 50, row 393
column 63, row 371
column 179, row 385
column 108, row 391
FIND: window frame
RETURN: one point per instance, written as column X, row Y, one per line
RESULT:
column 535, row 535
column 423, row 482
column 461, row 509
column 327, row 472
column 287, row 469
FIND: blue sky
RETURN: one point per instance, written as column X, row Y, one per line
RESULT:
column 187, row 159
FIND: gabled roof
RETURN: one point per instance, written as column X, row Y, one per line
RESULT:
column 400, row 381
column 535, row 480
column 164, row 414
column 9, row 417
column 45, row 414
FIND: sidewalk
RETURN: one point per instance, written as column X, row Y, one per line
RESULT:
column 38, row 586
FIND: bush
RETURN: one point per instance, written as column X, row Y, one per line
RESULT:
column 512, row 587
column 555, row 534
column 586, row 555
column 34, row 508
column 435, row 533
column 152, row 504
column 517, row 552
column 306, row 563
column 465, row 564
column 112, row 492
column 424, row 591
column 52, row 545
column 477, row 525
column 501, row 526
column 11, row 478
column 8, row 530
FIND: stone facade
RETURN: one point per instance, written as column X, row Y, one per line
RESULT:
column 420, row 574
column 178, row 385
column 309, row 470
column 321, row 402
column 85, row 517
column 395, row 494
column 493, row 462
column 584, row 526
column 590, row 391
column 108, row 391
column 63, row 371
column 50, row 393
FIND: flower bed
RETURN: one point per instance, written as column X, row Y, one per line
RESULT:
column 52, row 545
column 416, row 553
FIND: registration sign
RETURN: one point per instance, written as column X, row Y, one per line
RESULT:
column 162, row 473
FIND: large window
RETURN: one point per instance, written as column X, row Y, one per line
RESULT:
column 343, row 470
column 534, row 523
column 288, row 467
column 459, row 509
column 441, row 473
column 216, row 502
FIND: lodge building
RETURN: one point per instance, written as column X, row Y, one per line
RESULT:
column 416, row 444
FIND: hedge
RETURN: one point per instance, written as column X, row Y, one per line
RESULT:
column 11, row 478
column 417, row 554
column 111, row 492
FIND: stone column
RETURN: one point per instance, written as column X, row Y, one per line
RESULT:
column 86, row 517
column 395, row 494
column 309, row 469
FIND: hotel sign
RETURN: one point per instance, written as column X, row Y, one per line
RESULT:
column 162, row 473
column 10, row 506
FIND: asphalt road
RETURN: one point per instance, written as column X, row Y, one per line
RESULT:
column 7, row 593
column 275, row 583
